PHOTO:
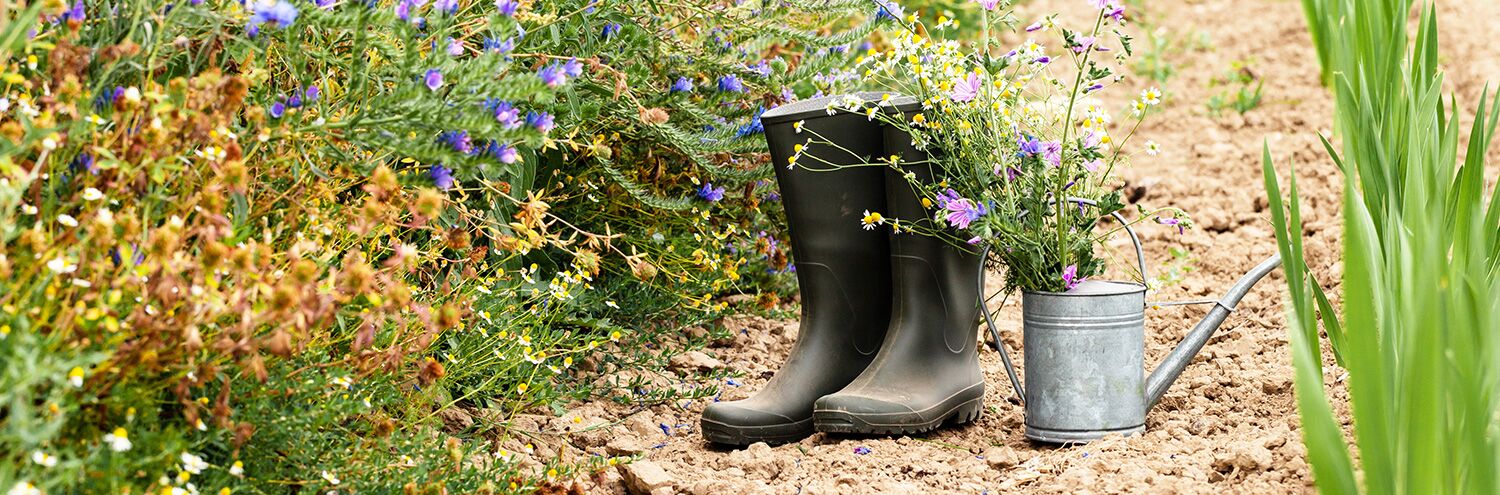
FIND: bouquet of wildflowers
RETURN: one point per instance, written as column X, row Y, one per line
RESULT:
column 1009, row 133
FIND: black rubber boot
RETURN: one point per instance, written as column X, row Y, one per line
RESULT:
column 927, row 371
column 843, row 271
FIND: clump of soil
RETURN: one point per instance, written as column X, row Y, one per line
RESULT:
column 1229, row 423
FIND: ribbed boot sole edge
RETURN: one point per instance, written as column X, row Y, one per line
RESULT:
column 829, row 421
column 727, row 434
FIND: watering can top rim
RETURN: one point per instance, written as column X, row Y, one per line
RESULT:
column 814, row 108
column 1095, row 288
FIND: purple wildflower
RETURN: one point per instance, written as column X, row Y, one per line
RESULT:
column 442, row 177
column 552, row 76
column 947, row 196
column 962, row 212
column 323, row 4
column 76, row 13
column 295, row 101
column 445, row 6
column 1083, row 43
column 277, row 110
column 1093, row 165
column 763, row 68
column 888, row 9
column 278, row 12
column 1171, row 221
column 610, row 30
column 498, row 46
column 975, row 241
column 861, row 450
column 433, row 79
column 987, row 4
column 573, row 68
column 458, row 140
column 710, row 193
column 1028, row 146
column 311, row 95
column 455, row 47
column 1070, row 277
column 1115, row 11
column 1052, row 153
column 541, row 121
column 507, row 154
column 1035, row 26
column 507, row 115
column 1043, row 60
column 731, row 84
column 682, row 85
column 507, row 7
column 967, row 89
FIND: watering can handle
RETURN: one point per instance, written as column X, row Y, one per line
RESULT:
column 1140, row 254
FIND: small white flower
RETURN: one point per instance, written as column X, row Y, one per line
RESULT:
column 343, row 381
column 75, row 377
column 118, row 440
column 192, row 463
column 612, row 304
column 43, row 459
column 49, row 142
column 330, row 478
column 29, row 209
column 201, row 426
column 1152, row 148
column 237, row 469
column 92, row 194
column 81, row 283
column 1151, row 97
column 67, row 220
column 132, row 94
column 105, row 216
column 4, row 105
column 61, row 265
column 24, row 488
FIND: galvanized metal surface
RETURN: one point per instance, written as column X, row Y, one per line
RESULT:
column 1085, row 370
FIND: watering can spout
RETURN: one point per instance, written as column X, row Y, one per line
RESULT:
column 1171, row 367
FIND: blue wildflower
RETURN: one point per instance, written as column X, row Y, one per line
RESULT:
column 552, row 76
column 433, row 79
column 458, row 140
column 498, row 46
column 279, row 12
column 507, row 7
column 573, row 68
column 731, row 84
column 610, row 30
column 888, row 9
column 861, row 450
column 84, row 162
column 507, row 115
column 312, row 94
column 277, row 110
column 506, row 153
column 76, row 13
column 682, row 85
column 763, row 69
column 710, row 193
column 322, row 4
column 295, row 101
column 445, row 6
column 442, row 177
column 541, row 121
column 753, row 127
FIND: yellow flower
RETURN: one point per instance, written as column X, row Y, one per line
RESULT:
column 871, row 220
column 75, row 377
column 521, row 389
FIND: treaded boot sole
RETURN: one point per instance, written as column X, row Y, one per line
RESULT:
column 727, row 434
column 958, row 412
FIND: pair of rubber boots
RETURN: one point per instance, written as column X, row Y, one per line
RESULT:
column 887, row 342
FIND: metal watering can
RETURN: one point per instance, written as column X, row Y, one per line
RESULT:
column 1085, row 353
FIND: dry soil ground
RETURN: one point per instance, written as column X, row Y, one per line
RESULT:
column 1230, row 422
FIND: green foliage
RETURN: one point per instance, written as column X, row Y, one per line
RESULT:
column 1421, row 251
column 244, row 252
column 1242, row 99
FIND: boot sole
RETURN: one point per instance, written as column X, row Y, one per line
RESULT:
column 727, row 434
column 958, row 412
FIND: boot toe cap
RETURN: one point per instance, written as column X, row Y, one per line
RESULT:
column 861, row 404
column 739, row 414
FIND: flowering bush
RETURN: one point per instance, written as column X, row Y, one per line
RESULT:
column 266, row 245
column 1008, row 135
